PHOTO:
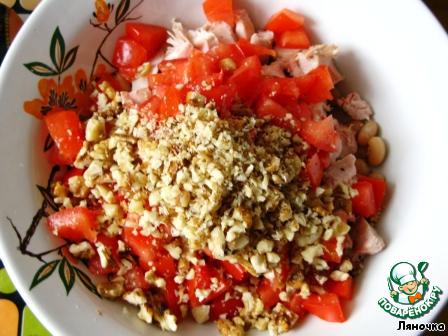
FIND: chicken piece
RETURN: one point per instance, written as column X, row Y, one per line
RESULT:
column 347, row 134
column 287, row 59
column 321, row 54
column 341, row 171
column 355, row 106
column 263, row 38
column 222, row 30
column 203, row 39
column 366, row 238
column 275, row 69
column 179, row 44
column 244, row 27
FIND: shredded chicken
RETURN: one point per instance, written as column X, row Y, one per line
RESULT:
column 355, row 106
column 203, row 39
column 244, row 27
column 222, row 30
column 179, row 45
column 341, row 171
column 263, row 38
column 275, row 69
column 287, row 57
column 321, row 54
column 348, row 140
column 367, row 240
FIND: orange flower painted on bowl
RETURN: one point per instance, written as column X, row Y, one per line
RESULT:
column 102, row 10
column 73, row 93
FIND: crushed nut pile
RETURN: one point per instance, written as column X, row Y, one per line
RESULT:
column 231, row 187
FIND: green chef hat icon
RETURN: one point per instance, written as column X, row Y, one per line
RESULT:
column 402, row 273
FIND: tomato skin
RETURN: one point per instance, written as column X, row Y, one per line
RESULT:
column 94, row 264
column 135, row 278
column 128, row 53
column 285, row 20
column 246, row 79
column 295, row 304
column 74, row 224
column 284, row 91
column 293, row 39
column 250, row 49
column 66, row 130
column 343, row 289
column 169, row 106
column 223, row 96
column 229, row 308
column 325, row 306
column 151, row 108
column 172, row 299
column 320, row 134
column 364, row 203
column 236, row 271
column 314, row 170
column 150, row 252
column 316, row 85
column 232, row 51
column 151, row 37
column 330, row 253
column 269, row 108
column 219, row 10
column 379, row 187
column 268, row 293
column 202, row 280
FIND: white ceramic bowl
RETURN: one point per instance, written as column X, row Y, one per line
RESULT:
column 393, row 52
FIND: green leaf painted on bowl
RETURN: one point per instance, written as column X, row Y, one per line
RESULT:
column 57, row 49
column 86, row 281
column 69, row 59
column 6, row 285
column 44, row 272
column 67, row 275
column 40, row 69
column 31, row 325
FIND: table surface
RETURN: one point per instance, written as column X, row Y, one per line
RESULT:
column 15, row 316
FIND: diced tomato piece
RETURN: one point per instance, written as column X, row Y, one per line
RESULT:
column 343, row 289
column 151, row 37
column 150, row 252
column 250, row 49
column 314, row 170
column 66, row 131
column 324, row 158
column 269, row 108
column 330, row 251
column 128, row 53
column 268, row 293
column 295, row 304
column 151, row 108
column 325, row 306
column 202, row 280
column 74, row 224
column 135, row 278
column 172, row 299
column 300, row 111
column 223, row 96
column 228, row 308
column 246, row 79
column 236, row 271
column 223, row 51
column 283, row 90
column 285, row 20
column 111, row 245
column 200, row 66
column 293, row 39
column 128, row 73
column 169, row 106
column 379, row 189
column 364, row 203
column 320, row 134
column 316, row 85
column 219, row 10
